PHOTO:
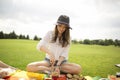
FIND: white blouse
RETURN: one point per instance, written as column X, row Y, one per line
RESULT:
column 55, row 48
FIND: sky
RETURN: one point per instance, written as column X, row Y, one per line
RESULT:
column 89, row 19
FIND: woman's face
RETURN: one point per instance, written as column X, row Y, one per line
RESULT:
column 61, row 28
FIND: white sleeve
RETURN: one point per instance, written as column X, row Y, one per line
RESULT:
column 44, row 41
column 65, row 51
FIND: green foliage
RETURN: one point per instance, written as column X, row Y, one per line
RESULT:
column 95, row 60
column 86, row 41
column 36, row 38
column 74, row 41
column 13, row 35
column 102, row 42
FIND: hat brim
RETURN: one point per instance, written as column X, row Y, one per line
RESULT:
column 63, row 23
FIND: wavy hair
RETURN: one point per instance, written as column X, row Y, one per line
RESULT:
column 64, row 40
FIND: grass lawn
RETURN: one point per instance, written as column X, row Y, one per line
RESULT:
column 95, row 60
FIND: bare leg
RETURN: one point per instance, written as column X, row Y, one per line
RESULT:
column 71, row 68
column 38, row 66
column 4, row 65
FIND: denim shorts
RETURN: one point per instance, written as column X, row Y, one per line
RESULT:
column 48, row 60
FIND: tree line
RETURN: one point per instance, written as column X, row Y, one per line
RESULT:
column 105, row 42
column 13, row 35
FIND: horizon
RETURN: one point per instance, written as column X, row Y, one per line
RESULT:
column 41, row 37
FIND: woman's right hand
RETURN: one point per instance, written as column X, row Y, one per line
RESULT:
column 46, row 50
column 52, row 59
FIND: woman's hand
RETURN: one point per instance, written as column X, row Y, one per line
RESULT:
column 57, row 70
column 46, row 50
column 52, row 59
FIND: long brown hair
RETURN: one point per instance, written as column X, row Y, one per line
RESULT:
column 64, row 40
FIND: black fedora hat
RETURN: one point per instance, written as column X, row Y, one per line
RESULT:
column 63, row 19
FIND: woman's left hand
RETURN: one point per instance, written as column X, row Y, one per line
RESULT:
column 57, row 70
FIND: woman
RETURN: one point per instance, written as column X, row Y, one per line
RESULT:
column 56, row 46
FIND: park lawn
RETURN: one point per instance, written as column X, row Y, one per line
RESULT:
column 95, row 60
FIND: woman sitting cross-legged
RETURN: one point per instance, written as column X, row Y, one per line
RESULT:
column 56, row 45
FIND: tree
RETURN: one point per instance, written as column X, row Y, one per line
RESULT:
column 74, row 41
column 35, row 38
column 86, row 41
column 110, row 41
column 101, row 42
column 20, row 36
column 106, row 42
column 1, row 35
column 27, row 37
column 81, row 42
column 95, row 41
column 12, row 35
column 117, row 42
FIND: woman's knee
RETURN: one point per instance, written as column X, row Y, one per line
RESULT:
column 30, row 67
column 71, row 68
column 77, row 70
column 35, row 66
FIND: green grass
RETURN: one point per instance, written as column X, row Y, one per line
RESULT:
column 95, row 60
